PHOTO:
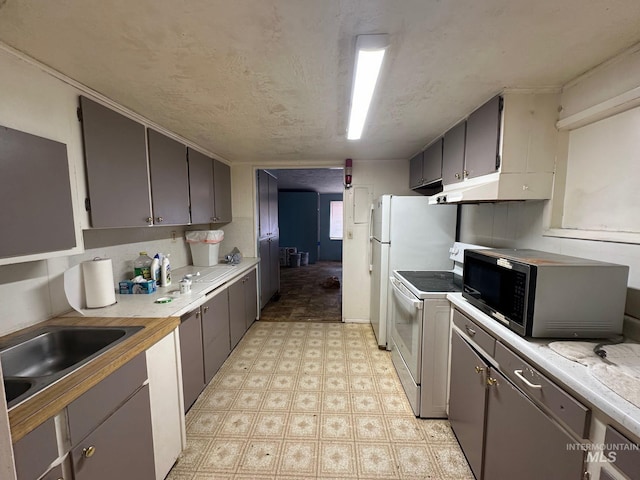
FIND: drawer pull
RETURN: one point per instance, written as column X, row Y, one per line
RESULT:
column 518, row 373
column 470, row 330
column 88, row 452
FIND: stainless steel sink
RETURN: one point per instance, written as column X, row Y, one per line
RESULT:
column 37, row 359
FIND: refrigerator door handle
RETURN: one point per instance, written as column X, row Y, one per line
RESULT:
column 371, row 239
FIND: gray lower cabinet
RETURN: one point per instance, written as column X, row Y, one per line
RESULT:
column 269, row 252
column 468, row 400
column 192, row 357
column 41, row 440
column 41, row 221
column 121, row 447
column 54, row 474
column 215, row 333
column 117, row 172
column 169, row 180
column 242, row 306
column 523, row 442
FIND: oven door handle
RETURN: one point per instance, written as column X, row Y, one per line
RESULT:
column 409, row 302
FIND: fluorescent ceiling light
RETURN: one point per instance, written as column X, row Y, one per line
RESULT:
column 369, row 54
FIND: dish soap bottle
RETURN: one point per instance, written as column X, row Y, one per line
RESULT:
column 165, row 272
column 155, row 268
column 142, row 266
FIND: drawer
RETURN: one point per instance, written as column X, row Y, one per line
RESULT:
column 35, row 451
column 89, row 410
column 485, row 341
column 627, row 455
column 566, row 408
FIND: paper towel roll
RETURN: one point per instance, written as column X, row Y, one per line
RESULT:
column 98, row 282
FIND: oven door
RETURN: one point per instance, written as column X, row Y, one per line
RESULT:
column 406, row 332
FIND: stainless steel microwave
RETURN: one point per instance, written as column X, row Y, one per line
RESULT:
column 540, row 294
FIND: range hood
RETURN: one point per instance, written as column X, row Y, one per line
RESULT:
column 496, row 187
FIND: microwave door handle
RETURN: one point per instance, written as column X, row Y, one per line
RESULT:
column 412, row 303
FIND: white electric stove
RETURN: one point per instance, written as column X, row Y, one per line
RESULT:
column 420, row 329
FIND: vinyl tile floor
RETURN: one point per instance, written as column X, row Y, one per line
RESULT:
column 304, row 400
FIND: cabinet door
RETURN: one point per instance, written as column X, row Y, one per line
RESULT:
column 453, row 154
column 415, row 171
column 483, row 135
column 524, row 443
column 273, row 206
column 54, row 474
column 237, row 313
column 201, row 187
column 222, row 191
column 117, row 173
column 467, row 400
column 34, row 452
column 265, row 271
column 432, row 163
column 215, row 334
column 251, row 298
column 121, row 447
column 192, row 358
column 263, row 203
column 169, row 180
column 274, row 266
column 37, row 213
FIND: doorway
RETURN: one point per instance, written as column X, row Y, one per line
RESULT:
column 310, row 240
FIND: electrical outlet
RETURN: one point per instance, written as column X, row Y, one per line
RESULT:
column 173, row 236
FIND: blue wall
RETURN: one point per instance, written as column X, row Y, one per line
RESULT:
column 298, row 222
column 330, row 250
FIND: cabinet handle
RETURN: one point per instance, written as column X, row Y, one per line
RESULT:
column 457, row 175
column 479, row 369
column 88, row 451
column 470, row 330
column 160, row 219
column 149, row 220
column 492, row 381
column 465, row 173
column 205, row 309
column 518, row 373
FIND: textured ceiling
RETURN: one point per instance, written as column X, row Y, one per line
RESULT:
column 269, row 80
column 321, row 180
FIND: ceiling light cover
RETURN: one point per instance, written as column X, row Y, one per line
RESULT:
column 370, row 50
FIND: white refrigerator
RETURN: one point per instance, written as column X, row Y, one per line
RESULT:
column 406, row 234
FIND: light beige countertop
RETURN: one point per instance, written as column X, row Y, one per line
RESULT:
column 573, row 376
column 143, row 305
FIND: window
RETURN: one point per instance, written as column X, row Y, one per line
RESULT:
column 335, row 220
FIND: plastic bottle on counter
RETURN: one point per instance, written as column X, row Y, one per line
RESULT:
column 155, row 268
column 165, row 271
column 142, row 266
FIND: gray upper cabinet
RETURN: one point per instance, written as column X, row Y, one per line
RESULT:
column 222, row 192
column 116, row 162
column 415, row 171
column 267, row 204
column 425, row 168
column 201, row 187
column 432, row 163
column 42, row 220
column 453, row 154
column 169, row 180
column 482, row 140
